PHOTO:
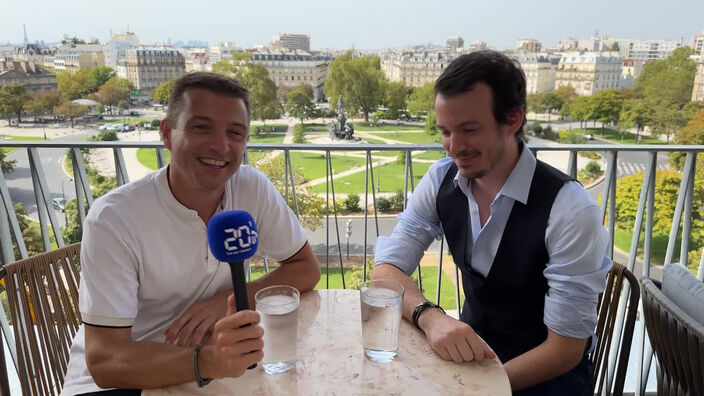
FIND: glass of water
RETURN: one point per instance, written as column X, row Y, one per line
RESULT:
column 381, row 301
column 278, row 308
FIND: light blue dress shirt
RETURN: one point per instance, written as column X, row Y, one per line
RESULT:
column 575, row 239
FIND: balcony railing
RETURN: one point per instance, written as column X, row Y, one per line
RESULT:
column 640, row 367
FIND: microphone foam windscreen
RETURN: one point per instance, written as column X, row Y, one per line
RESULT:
column 232, row 235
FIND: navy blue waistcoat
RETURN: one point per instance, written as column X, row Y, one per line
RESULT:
column 506, row 307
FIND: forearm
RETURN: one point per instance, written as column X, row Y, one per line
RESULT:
column 555, row 356
column 140, row 365
column 412, row 295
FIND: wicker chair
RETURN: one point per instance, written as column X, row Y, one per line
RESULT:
column 607, row 312
column 678, row 342
column 43, row 294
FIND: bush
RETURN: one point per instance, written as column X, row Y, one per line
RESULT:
column 536, row 128
column 155, row 123
column 589, row 154
column 351, row 203
column 383, row 205
column 397, row 201
column 590, row 172
column 298, row 134
column 107, row 136
column 571, row 137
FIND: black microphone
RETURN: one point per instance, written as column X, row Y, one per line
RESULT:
column 233, row 238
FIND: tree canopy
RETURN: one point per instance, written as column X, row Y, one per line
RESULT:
column 422, row 99
column 13, row 98
column 359, row 81
column 263, row 101
column 299, row 103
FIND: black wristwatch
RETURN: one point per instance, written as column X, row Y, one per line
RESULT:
column 420, row 308
column 200, row 381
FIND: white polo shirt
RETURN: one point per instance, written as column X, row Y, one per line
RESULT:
column 145, row 258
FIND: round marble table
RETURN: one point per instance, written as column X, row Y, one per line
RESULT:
column 331, row 361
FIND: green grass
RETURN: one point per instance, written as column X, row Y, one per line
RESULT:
column 622, row 240
column 410, row 137
column 148, row 157
column 373, row 141
column 315, row 127
column 312, row 165
column 277, row 137
column 431, row 155
column 429, row 278
column 366, row 127
column 389, row 176
column 130, row 120
column 8, row 150
column 622, row 137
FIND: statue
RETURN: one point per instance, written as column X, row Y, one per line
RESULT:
column 341, row 129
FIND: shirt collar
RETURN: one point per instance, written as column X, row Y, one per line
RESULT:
column 167, row 197
column 517, row 185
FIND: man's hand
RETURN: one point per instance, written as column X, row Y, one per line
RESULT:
column 237, row 344
column 453, row 339
column 196, row 324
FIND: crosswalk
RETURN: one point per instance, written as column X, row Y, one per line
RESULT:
column 629, row 168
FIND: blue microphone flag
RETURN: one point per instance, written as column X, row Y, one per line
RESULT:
column 232, row 236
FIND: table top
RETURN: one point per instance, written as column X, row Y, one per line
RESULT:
column 331, row 361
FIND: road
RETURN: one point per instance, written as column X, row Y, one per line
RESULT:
column 19, row 182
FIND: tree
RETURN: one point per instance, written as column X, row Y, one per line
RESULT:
column 162, row 92
column 299, row 103
column 71, row 111
column 634, row 114
column 396, row 99
column 81, row 83
column 114, row 92
column 582, row 109
column 359, row 81
column 6, row 166
column 533, row 103
column 13, row 98
column 606, row 105
column 669, row 80
column 97, row 76
column 692, row 133
column 30, row 235
column 43, row 103
column 667, row 184
column 615, row 47
column 690, row 109
column 310, row 205
column 431, row 127
column 299, row 136
column 422, row 99
column 666, row 119
column 254, row 77
column 567, row 94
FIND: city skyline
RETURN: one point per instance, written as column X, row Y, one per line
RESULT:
column 363, row 25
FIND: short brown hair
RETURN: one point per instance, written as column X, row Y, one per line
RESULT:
column 212, row 82
column 502, row 74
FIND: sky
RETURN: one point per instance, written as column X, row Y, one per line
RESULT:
column 360, row 24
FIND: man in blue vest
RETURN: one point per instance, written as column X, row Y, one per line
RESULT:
column 527, row 238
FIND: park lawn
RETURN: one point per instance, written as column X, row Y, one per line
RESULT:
column 373, row 141
column 312, row 165
column 274, row 137
column 431, row 155
column 429, row 278
column 317, row 127
column 366, row 127
column 621, row 137
column 622, row 240
column 410, row 137
column 129, row 120
column 390, row 177
column 8, row 150
column 147, row 157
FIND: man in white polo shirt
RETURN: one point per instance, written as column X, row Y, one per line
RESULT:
column 157, row 307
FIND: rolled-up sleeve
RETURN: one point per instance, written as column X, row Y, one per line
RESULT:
column 417, row 226
column 578, row 266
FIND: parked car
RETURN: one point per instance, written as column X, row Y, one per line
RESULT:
column 59, row 204
column 589, row 136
